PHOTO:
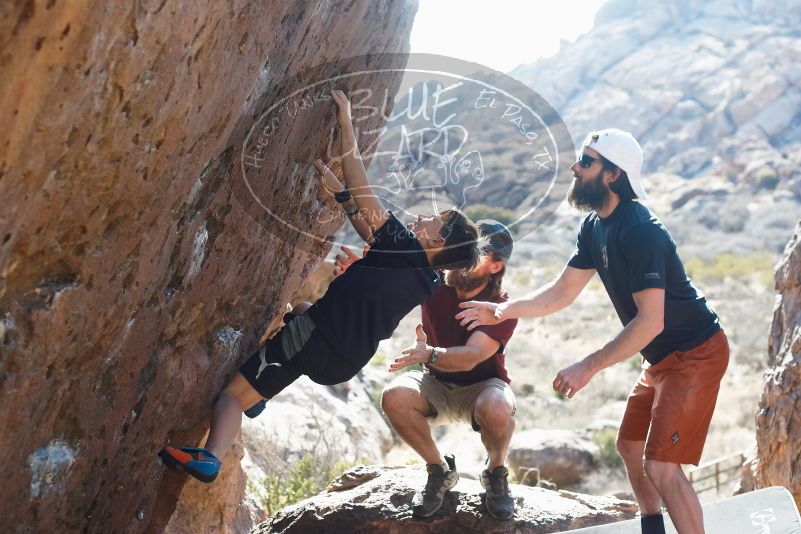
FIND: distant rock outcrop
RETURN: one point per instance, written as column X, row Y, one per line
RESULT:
column 378, row 499
column 563, row 457
column 132, row 281
column 712, row 90
column 779, row 416
column 684, row 76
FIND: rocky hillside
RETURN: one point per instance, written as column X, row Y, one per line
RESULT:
column 712, row 89
column 132, row 280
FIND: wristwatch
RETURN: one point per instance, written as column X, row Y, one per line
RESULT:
column 432, row 359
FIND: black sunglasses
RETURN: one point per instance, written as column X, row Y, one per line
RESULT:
column 585, row 161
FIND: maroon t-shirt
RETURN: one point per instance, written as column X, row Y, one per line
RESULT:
column 445, row 331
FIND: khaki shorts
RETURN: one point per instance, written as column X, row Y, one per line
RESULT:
column 452, row 403
column 671, row 406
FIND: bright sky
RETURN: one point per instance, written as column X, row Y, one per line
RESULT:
column 500, row 34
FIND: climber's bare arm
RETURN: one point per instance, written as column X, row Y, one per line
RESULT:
column 353, row 168
column 329, row 182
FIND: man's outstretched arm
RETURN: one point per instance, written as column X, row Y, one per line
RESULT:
column 353, row 167
column 645, row 326
column 545, row 301
column 478, row 348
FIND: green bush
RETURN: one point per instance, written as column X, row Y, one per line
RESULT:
column 607, row 455
column 306, row 478
column 635, row 362
column 476, row 212
column 727, row 264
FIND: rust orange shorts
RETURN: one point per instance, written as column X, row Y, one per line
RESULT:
column 671, row 405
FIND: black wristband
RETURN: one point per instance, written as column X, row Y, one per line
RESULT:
column 342, row 196
column 433, row 357
column 351, row 211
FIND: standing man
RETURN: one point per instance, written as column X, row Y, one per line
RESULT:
column 664, row 316
column 465, row 380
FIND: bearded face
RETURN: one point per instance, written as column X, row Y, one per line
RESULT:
column 588, row 194
column 466, row 280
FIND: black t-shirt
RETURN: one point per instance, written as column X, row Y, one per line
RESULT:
column 632, row 251
column 365, row 304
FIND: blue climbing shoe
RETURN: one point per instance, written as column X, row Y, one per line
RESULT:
column 199, row 463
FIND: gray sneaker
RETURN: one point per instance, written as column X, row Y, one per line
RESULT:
column 426, row 502
column 498, row 499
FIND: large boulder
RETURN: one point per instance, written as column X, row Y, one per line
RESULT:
column 378, row 499
column 563, row 457
column 329, row 424
column 778, row 420
column 132, row 278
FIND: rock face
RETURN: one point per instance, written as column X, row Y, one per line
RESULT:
column 378, row 499
column 335, row 424
column 563, row 457
column 219, row 508
column 779, row 418
column 132, row 281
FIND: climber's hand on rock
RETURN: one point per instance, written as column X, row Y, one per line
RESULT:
column 343, row 108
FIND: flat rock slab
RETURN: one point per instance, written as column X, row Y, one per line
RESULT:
column 769, row 510
column 382, row 503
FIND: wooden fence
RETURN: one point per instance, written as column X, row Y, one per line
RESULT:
column 717, row 474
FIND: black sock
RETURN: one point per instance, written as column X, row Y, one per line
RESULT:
column 652, row 524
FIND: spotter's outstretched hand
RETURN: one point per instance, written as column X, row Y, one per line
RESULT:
column 573, row 378
column 417, row 353
column 479, row 313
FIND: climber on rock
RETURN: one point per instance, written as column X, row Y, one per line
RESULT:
column 339, row 334
column 685, row 351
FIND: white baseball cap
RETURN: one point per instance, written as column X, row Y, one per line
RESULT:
column 623, row 150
